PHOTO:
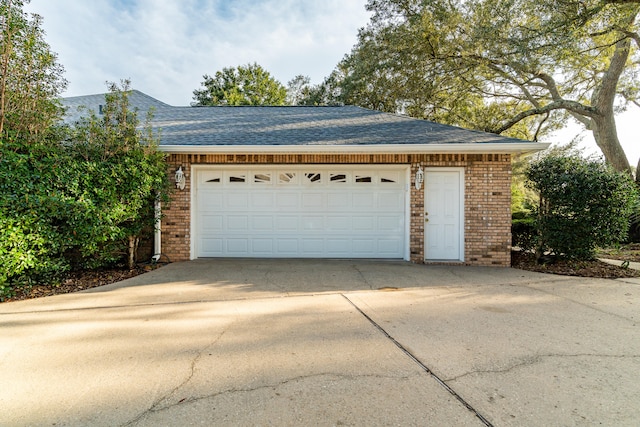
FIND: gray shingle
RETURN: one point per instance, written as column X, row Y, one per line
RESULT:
column 284, row 126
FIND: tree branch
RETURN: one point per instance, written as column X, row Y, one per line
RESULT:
column 563, row 104
column 555, row 95
column 634, row 36
column 604, row 95
column 535, row 136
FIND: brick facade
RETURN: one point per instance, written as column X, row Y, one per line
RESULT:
column 487, row 199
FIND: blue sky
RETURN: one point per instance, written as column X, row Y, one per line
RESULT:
column 165, row 46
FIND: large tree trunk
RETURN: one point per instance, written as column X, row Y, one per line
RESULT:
column 606, row 136
column 603, row 124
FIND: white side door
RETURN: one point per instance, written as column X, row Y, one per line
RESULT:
column 444, row 209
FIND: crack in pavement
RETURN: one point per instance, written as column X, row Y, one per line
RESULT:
column 192, row 368
column 156, row 409
column 364, row 279
column 424, row 367
column 538, row 359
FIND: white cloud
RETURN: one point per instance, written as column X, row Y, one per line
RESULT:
column 166, row 46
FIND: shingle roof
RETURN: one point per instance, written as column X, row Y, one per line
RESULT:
column 287, row 126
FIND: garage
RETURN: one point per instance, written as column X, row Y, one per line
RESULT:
column 300, row 211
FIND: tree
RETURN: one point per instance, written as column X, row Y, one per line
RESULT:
column 30, row 76
column 245, row 85
column 32, row 161
column 298, row 90
column 520, row 67
column 118, row 173
column 583, row 204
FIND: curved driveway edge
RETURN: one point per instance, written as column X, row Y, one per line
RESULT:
column 297, row 342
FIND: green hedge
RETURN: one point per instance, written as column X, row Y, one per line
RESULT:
column 584, row 204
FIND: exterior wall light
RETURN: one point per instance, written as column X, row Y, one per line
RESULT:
column 181, row 179
column 419, row 178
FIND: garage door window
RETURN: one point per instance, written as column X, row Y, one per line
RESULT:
column 313, row 177
column 287, row 177
column 262, row 178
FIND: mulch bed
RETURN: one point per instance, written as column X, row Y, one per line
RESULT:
column 81, row 280
column 594, row 268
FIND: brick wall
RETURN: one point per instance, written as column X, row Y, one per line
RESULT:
column 176, row 221
column 487, row 215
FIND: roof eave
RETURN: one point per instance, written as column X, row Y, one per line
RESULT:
column 477, row 148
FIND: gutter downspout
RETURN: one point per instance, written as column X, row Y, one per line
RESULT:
column 157, row 236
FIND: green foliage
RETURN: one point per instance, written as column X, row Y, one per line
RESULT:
column 118, row 172
column 584, row 204
column 77, row 204
column 523, row 199
column 30, row 76
column 245, row 85
column 31, row 244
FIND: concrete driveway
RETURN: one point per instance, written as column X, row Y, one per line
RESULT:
column 312, row 342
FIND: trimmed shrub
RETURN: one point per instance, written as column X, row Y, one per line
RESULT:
column 584, row 204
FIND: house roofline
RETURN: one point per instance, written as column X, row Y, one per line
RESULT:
column 477, row 148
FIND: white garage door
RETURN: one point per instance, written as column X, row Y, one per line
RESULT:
column 293, row 211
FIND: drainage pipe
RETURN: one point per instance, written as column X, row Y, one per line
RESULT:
column 157, row 236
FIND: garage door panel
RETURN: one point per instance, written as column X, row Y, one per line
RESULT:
column 262, row 246
column 212, row 223
column 390, row 224
column 364, row 247
column 287, row 246
column 389, row 246
column 313, row 246
column 238, row 223
column 236, row 200
column 389, row 200
column 212, row 246
column 364, row 200
column 211, row 200
column 284, row 211
column 339, row 246
column 262, row 223
column 313, row 222
column 237, row 246
column 338, row 201
column 287, row 223
column 338, row 223
column 287, row 200
column 364, row 223
column 313, row 201
column 263, row 200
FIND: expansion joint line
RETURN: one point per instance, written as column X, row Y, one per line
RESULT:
column 422, row 365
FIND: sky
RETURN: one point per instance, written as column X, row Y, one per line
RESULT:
column 166, row 46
